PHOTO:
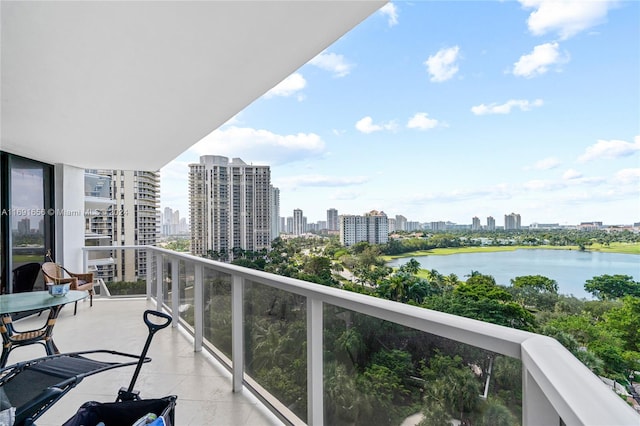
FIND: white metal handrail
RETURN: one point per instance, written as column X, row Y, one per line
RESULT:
column 556, row 385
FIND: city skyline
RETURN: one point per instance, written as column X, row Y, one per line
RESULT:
column 443, row 111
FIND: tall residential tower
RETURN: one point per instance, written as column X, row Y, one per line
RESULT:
column 229, row 206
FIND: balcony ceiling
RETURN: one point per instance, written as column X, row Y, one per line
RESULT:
column 131, row 85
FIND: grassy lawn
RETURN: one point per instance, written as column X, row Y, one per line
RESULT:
column 624, row 248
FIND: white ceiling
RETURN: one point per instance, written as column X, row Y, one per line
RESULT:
column 131, row 85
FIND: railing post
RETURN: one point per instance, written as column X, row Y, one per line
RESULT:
column 198, row 309
column 159, row 281
column 237, row 332
column 175, row 291
column 149, row 262
column 315, row 363
column 85, row 260
column 536, row 408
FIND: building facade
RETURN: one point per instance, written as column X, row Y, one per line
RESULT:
column 475, row 224
column 491, row 223
column 129, row 216
column 372, row 227
column 333, row 223
column 274, row 206
column 299, row 226
column 229, row 206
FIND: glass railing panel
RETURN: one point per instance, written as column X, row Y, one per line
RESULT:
column 186, row 306
column 378, row 372
column 126, row 272
column 167, row 284
column 217, row 309
column 97, row 186
column 275, row 344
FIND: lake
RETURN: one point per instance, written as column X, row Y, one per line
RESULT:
column 570, row 268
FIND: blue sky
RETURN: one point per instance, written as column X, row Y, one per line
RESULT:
column 445, row 110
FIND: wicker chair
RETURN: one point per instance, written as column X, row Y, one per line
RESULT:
column 57, row 274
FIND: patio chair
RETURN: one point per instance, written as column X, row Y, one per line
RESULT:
column 12, row 338
column 57, row 274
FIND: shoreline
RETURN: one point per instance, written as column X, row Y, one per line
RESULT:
column 633, row 248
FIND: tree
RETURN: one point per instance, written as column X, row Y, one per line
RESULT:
column 411, row 267
column 496, row 414
column 606, row 287
column 537, row 283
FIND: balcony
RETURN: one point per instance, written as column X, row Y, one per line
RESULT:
column 220, row 305
column 201, row 383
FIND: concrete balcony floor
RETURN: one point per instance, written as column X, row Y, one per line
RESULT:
column 202, row 385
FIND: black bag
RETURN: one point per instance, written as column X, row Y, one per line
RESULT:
column 124, row 412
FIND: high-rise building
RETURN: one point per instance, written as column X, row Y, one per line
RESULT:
column 332, row 220
column 274, row 206
column 228, row 205
column 491, row 223
column 298, row 222
column 512, row 221
column 392, row 224
column 475, row 224
column 130, row 217
column 401, row 223
column 171, row 222
column 373, row 227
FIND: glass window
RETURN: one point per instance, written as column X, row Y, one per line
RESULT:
column 27, row 220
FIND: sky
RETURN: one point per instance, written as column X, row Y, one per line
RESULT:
column 446, row 110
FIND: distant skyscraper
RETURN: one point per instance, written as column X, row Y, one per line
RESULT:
column 491, row 223
column 401, row 223
column 332, row 220
column 229, row 205
column 372, row 227
column 512, row 221
column 475, row 224
column 298, row 222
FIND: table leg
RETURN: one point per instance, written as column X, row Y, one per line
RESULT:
column 50, row 345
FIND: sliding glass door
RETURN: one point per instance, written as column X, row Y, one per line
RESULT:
column 26, row 215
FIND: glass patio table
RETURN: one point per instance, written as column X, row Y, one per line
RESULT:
column 32, row 301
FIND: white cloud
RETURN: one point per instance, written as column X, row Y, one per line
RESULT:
column 505, row 108
column 542, row 185
column 421, row 121
column 260, row 146
column 571, row 174
column 539, row 60
column 321, row 181
column 366, row 125
column 332, row 62
column 545, row 164
column 344, row 195
column 391, row 12
column 287, row 87
column 628, row 177
column 610, row 150
column 565, row 17
column 442, row 66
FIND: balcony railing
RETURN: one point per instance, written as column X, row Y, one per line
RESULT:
column 218, row 303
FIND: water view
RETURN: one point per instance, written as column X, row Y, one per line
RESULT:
column 570, row 268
